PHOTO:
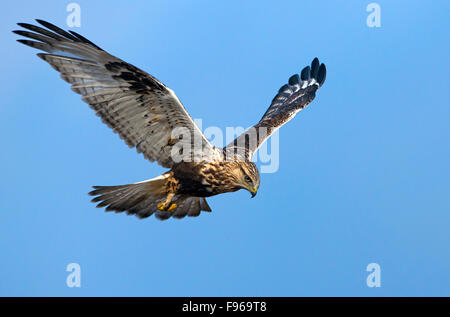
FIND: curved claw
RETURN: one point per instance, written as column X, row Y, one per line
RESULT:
column 172, row 207
column 163, row 207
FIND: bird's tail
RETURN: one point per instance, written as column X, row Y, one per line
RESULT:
column 141, row 199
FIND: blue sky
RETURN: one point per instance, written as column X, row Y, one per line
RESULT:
column 364, row 171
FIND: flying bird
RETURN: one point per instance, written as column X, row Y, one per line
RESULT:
column 145, row 113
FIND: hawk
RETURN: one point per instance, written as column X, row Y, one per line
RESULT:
column 145, row 113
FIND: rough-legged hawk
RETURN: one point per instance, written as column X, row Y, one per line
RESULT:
column 148, row 115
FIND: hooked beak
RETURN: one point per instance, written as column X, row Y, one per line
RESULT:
column 253, row 191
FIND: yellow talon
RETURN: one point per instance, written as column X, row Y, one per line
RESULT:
column 162, row 207
column 172, row 207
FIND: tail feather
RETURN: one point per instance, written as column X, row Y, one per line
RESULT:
column 141, row 199
column 186, row 206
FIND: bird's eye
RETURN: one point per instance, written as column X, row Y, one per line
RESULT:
column 247, row 179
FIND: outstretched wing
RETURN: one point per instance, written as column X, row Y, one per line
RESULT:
column 291, row 98
column 142, row 110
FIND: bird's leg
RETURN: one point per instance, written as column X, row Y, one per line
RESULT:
column 167, row 205
column 171, row 187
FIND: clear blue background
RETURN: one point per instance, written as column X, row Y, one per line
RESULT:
column 364, row 171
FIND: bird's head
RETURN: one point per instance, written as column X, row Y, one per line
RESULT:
column 246, row 176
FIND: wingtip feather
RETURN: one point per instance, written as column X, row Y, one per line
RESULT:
column 294, row 80
column 322, row 74
column 306, row 73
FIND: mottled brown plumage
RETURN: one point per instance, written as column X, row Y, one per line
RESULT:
column 148, row 116
column 212, row 178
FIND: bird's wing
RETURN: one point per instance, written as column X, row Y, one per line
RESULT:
column 144, row 112
column 291, row 98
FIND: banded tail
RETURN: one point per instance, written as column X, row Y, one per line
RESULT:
column 141, row 199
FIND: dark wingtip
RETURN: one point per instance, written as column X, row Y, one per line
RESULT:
column 27, row 42
column 322, row 75
column 57, row 30
column 95, row 190
column 284, row 88
column 294, row 80
column 315, row 62
column 22, row 25
column 306, row 73
column 24, row 33
column 43, row 22
column 315, row 68
column 96, row 199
